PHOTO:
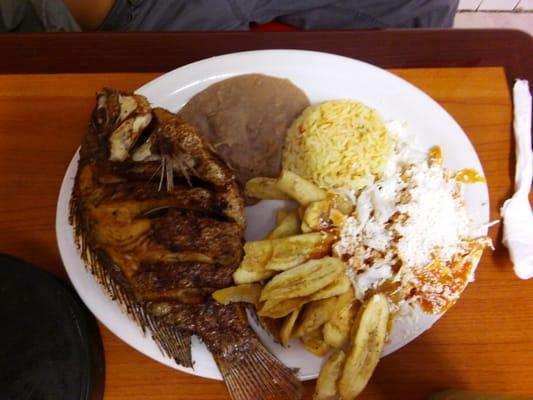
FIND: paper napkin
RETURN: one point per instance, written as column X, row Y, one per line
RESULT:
column 516, row 211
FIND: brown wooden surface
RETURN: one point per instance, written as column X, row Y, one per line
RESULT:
column 483, row 343
column 135, row 52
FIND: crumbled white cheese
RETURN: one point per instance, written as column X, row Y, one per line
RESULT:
column 413, row 215
column 370, row 279
column 437, row 219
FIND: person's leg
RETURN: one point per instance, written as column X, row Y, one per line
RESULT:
column 350, row 14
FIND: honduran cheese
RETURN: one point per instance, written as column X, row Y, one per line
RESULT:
column 410, row 234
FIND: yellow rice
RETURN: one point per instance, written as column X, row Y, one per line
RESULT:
column 337, row 144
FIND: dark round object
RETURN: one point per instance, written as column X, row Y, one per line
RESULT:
column 50, row 346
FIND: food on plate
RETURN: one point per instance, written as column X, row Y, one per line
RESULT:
column 315, row 315
column 366, row 346
column 376, row 230
column 282, row 213
column 326, row 384
column 468, row 175
column 303, row 280
column 314, row 343
column 348, row 370
column 410, row 235
column 301, row 190
column 159, row 219
column 308, row 290
column 288, row 225
column 288, row 186
column 252, row 268
column 396, row 229
column 335, row 288
column 280, row 308
column 263, row 257
column 326, row 214
column 336, row 331
column 302, row 276
column 291, row 251
column 264, row 188
column 336, row 144
column 377, row 250
column 246, row 118
column 247, row 293
column 287, row 327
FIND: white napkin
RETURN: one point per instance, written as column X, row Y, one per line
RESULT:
column 516, row 211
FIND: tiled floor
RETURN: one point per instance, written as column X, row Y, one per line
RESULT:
column 495, row 19
column 509, row 14
column 495, row 5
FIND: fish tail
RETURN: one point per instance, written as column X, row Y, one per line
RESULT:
column 258, row 375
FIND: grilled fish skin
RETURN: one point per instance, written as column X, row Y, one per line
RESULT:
column 159, row 219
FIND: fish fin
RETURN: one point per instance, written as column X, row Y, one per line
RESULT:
column 258, row 375
column 171, row 341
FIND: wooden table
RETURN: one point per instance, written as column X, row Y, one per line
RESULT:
column 47, row 86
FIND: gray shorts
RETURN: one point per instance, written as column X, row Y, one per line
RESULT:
column 204, row 15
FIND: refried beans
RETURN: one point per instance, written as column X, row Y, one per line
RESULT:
column 246, row 118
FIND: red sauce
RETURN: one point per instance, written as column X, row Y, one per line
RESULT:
column 439, row 285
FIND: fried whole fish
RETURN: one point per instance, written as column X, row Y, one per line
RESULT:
column 159, row 219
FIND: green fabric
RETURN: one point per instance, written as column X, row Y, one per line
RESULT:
column 36, row 16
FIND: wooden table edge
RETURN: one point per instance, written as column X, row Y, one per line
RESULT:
column 164, row 51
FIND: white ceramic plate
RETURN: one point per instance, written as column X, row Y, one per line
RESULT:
column 322, row 77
